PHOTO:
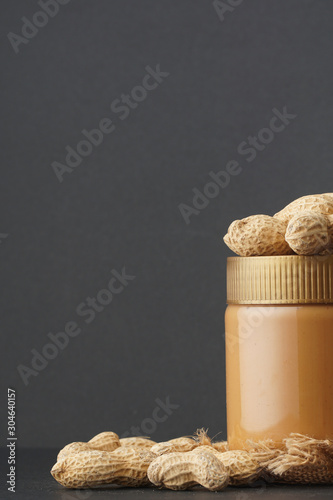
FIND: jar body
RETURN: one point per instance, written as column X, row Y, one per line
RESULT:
column 279, row 372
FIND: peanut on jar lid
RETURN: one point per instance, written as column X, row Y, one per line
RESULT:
column 287, row 279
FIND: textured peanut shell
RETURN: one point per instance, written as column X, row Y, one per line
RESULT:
column 257, row 235
column 180, row 471
column 241, row 467
column 308, row 233
column 106, row 441
column 181, row 444
column 72, row 448
column 221, row 446
column 86, row 469
column 320, row 203
column 137, row 443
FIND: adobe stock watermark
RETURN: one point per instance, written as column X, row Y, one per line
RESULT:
column 248, row 148
column 224, row 7
column 11, row 440
column 88, row 309
column 162, row 411
column 31, row 27
column 122, row 108
column 248, row 324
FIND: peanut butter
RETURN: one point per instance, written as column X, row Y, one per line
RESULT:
column 279, row 355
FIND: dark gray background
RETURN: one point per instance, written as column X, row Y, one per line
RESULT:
column 163, row 335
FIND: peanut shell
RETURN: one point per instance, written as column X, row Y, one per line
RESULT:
column 107, row 441
column 93, row 468
column 72, row 448
column 241, row 466
column 180, row 471
column 257, row 235
column 181, row 444
column 308, row 233
column 320, row 203
column 139, row 443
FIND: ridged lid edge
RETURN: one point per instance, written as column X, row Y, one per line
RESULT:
column 287, row 279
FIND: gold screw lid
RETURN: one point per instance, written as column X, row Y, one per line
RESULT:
column 287, row 279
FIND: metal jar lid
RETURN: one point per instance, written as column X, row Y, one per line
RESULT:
column 287, row 279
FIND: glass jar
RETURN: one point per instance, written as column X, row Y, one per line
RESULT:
column 279, row 348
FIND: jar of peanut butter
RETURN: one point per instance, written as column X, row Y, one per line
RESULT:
column 279, row 348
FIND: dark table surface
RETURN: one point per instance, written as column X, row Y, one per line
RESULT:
column 35, row 482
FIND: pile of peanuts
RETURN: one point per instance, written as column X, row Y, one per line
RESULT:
column 192, row 462
column 304, row 227
column 177, row 464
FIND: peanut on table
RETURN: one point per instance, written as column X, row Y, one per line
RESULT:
column 192, row 462
column 177, row 464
